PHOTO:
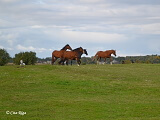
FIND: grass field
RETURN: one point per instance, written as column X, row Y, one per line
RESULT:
column 87, row 92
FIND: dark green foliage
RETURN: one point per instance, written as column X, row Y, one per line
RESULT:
column 126, row 62
column 144, row 59
column 4, row 57
column 87, row 60
column 29, row 58
column 148, row 59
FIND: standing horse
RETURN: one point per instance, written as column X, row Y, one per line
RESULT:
column 73, row 55
column 58, row 54
column 104, row 54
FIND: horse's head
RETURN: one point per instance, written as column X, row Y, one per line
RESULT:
column 68, row 47
column 81, row 49
column 114, row 52
column 85, row 51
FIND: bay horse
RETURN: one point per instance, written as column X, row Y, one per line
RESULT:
column 58, row 54
column 104, row 54
column 73, row 55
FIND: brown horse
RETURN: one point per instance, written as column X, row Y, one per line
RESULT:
column 104, row 54
column 73, row 55
column 58, row 54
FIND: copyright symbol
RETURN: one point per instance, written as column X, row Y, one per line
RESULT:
column 7, row 112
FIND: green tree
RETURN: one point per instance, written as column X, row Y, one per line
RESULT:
column 29, row 58
column 4, row 57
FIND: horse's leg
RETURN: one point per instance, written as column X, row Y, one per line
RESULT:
column 66, row 62
column 104, row 61
column 100, row 60
column 78, row 61
column 71, row 62
column 53, row 60
column 111, row 60
column 97, row 60
column 60, row 62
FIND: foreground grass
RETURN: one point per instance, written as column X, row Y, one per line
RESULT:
column 87, row 92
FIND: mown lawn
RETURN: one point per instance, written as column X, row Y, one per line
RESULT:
column 87, row 92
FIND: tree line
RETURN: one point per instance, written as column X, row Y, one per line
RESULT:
column 148, row 59
column 29, row 58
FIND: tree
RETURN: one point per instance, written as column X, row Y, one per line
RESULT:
column 4, row 57
column 29, row 58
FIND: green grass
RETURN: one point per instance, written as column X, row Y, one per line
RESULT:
column 87, row 92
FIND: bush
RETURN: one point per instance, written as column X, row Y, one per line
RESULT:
column 29, row 58
column 4, row 57
column 126, row 62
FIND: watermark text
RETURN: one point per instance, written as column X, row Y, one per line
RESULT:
column 16, row 113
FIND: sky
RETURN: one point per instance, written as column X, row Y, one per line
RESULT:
column 131, row 27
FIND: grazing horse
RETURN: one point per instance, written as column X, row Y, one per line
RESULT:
column 73, row 55
column 58, row 54
column 104, row 54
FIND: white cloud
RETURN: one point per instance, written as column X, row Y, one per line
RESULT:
column 87, row 37
column 69, row 13
column 153, row 28
column 23, row 48
column 148, row 29
column 96, row 23
column 8, row 36
column 30, row 48
column 10, row 1
column 124, row 54
column 93, row 37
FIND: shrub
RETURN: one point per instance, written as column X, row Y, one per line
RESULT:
column 4, row 57
column 29, row 58
column 126, row 62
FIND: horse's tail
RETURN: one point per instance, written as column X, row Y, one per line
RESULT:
column 53, row 58
column 95, row 57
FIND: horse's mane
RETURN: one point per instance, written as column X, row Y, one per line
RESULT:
column 64, row 47
column 110, row 50
column 77, row 49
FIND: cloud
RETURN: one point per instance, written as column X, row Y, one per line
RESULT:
column 10, row 1
column 30, row 48
column 134, row 2
column 73, row 13
column 94, row 37
column 41, row 25
column 153, row 28
column 8, row 36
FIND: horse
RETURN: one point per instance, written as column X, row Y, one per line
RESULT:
column 73, row 55
column 58, row 54
column 104, row 54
